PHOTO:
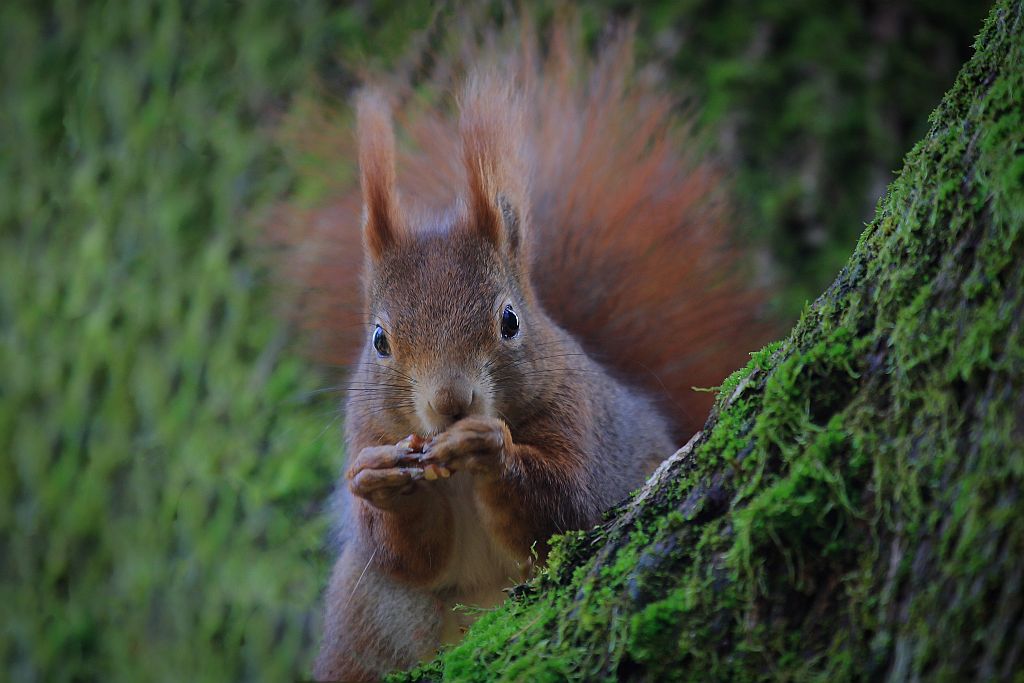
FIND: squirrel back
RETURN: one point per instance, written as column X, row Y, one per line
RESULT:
column 630, row 237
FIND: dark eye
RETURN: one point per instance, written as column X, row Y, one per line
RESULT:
column 509, row 323
column 380, row 342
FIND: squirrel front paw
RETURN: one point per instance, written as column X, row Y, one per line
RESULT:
column 386, row 475
column 474, row 444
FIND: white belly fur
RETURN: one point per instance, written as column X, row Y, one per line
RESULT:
column 480, row 567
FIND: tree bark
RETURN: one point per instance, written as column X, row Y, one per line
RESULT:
column 852, row 508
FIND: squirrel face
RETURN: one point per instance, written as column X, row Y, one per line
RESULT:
column 449, row 332
column 450, row 302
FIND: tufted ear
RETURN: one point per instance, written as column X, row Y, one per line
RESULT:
column 382, row 219
column 491, row 130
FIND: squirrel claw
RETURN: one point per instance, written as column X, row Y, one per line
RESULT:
column 472, row 442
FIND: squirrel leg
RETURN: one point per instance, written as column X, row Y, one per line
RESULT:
column 400, row 514
column 525, row 494
column 374, row 624
column 382, row 476
column 473, row 444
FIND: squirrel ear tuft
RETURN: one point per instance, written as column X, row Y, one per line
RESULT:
column 511, row 223
column 491, row 131
column 382, row 220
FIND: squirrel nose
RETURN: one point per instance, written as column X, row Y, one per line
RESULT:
column 452, row 402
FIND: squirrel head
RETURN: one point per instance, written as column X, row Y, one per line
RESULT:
column 454, row 327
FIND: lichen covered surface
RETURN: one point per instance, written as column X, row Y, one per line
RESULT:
column 853, row 507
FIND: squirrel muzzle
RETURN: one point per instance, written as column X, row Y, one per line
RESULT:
column 446, row 402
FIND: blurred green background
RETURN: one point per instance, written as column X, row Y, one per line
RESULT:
column 165, row 452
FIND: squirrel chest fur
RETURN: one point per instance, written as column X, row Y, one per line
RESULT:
column 549, row 240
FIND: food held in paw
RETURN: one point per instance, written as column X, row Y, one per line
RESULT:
column 414, row 443
column 434, row 471
column 413, row 446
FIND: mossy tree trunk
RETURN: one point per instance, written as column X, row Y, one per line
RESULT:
column 853, row 508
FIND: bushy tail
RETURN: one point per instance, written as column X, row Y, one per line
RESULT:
column 629, row 229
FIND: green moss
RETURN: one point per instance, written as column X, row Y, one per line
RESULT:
column 854, row 510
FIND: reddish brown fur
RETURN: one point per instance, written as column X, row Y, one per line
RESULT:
column 631, row 249
column 561, row 191
column 491, row 133
column 377, row 173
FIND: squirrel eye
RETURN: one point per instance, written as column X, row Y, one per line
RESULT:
column 509, row 323
column 380, row 342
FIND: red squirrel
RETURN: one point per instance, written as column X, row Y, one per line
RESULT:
column 543, row 283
